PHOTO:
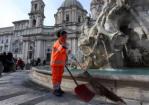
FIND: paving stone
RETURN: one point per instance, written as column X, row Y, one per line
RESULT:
column 4, row 97
column 19, row 99
column 129, row 92
column 17, row 89
column 145, row 95
column 145, row 103
column 35, row 100
column 8, row 91
column 132, row 102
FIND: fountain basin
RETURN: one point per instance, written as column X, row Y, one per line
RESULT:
column 133, row 88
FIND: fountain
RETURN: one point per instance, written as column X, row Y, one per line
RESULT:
column 123, row 32
column 113, row 47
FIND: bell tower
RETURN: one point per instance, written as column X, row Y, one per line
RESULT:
column 36, row 16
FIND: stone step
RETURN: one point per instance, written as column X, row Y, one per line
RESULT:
column 22, row 98
column 4, row 97
column 8, row 91
column 35, row 100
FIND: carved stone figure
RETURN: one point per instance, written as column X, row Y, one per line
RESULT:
column 113, row 40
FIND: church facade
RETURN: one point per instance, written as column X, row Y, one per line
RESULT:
column 31, row 39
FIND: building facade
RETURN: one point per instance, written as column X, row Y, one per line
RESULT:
column 31, row 39
column 6, row 34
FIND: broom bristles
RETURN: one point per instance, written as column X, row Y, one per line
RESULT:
column 102, row 90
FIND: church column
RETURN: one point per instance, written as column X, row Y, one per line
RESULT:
column 38, row 22
column 58, row 20
column 55, row 16
column 44, row 49
column 35, row 50
column 73, row 15
column 62, row 17
column 25, row 50
column 40, row 51
column 76, row 45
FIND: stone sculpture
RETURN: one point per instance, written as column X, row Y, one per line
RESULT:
column 113, row 40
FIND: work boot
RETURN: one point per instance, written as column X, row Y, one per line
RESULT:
column 57, row 93
column 61, row 91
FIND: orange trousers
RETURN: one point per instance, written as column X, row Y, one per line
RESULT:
column 57, row 73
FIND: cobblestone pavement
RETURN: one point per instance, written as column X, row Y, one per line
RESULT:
column 17, row 89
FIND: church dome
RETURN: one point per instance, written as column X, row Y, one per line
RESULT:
column 69, row 3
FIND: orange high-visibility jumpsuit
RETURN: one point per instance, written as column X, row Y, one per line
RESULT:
column 58, row 60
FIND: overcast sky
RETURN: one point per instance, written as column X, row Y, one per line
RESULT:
column 15, row 10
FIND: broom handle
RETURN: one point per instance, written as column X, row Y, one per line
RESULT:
column 85, row 71
column 90, row 78
column 72, row 76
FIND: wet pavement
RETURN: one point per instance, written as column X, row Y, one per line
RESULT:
column 17, row 89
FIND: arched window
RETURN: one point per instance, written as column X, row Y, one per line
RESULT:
column 34, row 23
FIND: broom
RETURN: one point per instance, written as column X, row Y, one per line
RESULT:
column 82, row 90
column 102, row 90
column 99, row 88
